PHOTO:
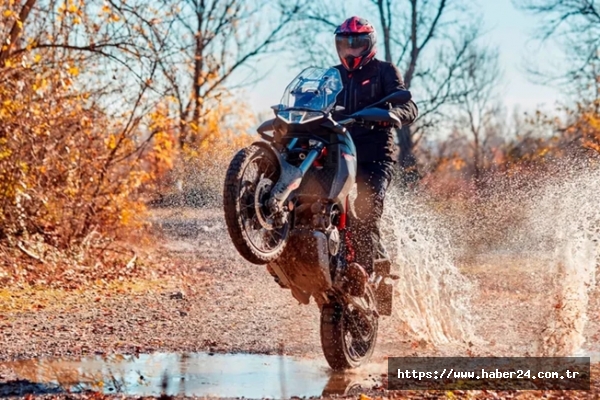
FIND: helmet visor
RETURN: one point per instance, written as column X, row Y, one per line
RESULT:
column 355, row 45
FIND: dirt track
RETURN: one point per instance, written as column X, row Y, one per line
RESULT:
column 229, row 305
column 224, row 304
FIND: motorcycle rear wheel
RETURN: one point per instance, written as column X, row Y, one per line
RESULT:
column 250, row 177
column 346, row 340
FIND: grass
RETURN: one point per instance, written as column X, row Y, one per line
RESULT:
column 37, row 298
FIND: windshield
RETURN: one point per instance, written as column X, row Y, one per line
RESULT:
column 314, row 89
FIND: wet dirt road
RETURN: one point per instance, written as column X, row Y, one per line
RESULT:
column 219, row 304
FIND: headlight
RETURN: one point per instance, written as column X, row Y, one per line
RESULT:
column 312, row 116
column 299, row 117
column 290, row 117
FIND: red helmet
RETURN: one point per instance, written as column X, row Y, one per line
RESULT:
column 355, row 42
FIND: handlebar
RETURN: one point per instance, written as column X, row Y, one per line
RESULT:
column 373, row 113
column 370, row 116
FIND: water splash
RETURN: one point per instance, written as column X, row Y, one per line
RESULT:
column 534, row 241
column 564, row 221
column 432, row 298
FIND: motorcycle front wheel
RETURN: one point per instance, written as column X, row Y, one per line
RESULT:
column 255, row 233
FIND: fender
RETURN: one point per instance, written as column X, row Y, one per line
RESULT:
column 290, row 176
column 267, row 126
column 268, row 147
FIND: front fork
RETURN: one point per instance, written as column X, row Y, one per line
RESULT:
column 291, row 176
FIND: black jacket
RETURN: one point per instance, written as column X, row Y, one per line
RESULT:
column 363, row 87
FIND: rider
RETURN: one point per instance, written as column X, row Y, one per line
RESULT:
column 367, row 80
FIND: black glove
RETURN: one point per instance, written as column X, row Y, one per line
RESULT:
column 386, row 124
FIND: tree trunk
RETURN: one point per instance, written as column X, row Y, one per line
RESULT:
column 385, row 23
column 414, row 52
column 476, row 170
column 407, row 162
column 15, row 31
column 197, row 84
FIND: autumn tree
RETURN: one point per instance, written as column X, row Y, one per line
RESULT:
column 76, row 136
column 205, row 47
column 575, row 26
column 478, row 104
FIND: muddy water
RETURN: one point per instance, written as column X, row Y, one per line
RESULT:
column 197, row 374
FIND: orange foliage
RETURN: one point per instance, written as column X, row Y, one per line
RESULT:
column 588, row 126
column 199, row 167
column 63, row 171
column 71, row 179
column 537, row 149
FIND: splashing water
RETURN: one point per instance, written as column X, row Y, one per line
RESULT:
column 432, row 297
column 551, row 227
column 564, row 222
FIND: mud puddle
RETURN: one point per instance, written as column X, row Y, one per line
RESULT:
column 196, row 374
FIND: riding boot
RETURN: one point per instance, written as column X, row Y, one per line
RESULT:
column 382, row 263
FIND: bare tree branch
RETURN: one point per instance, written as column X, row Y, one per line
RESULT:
column 575, row 26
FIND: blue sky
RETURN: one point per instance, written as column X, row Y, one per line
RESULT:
column 512, row 31
column 507, row 28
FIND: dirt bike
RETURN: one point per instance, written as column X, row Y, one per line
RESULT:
column 288, row 203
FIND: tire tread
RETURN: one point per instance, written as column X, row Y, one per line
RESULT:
column 231, row 208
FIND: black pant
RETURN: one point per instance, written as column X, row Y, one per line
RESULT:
column 373, row 179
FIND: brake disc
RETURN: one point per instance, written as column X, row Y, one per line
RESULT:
column 261, row 194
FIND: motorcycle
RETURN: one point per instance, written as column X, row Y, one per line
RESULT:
column 288, row 203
